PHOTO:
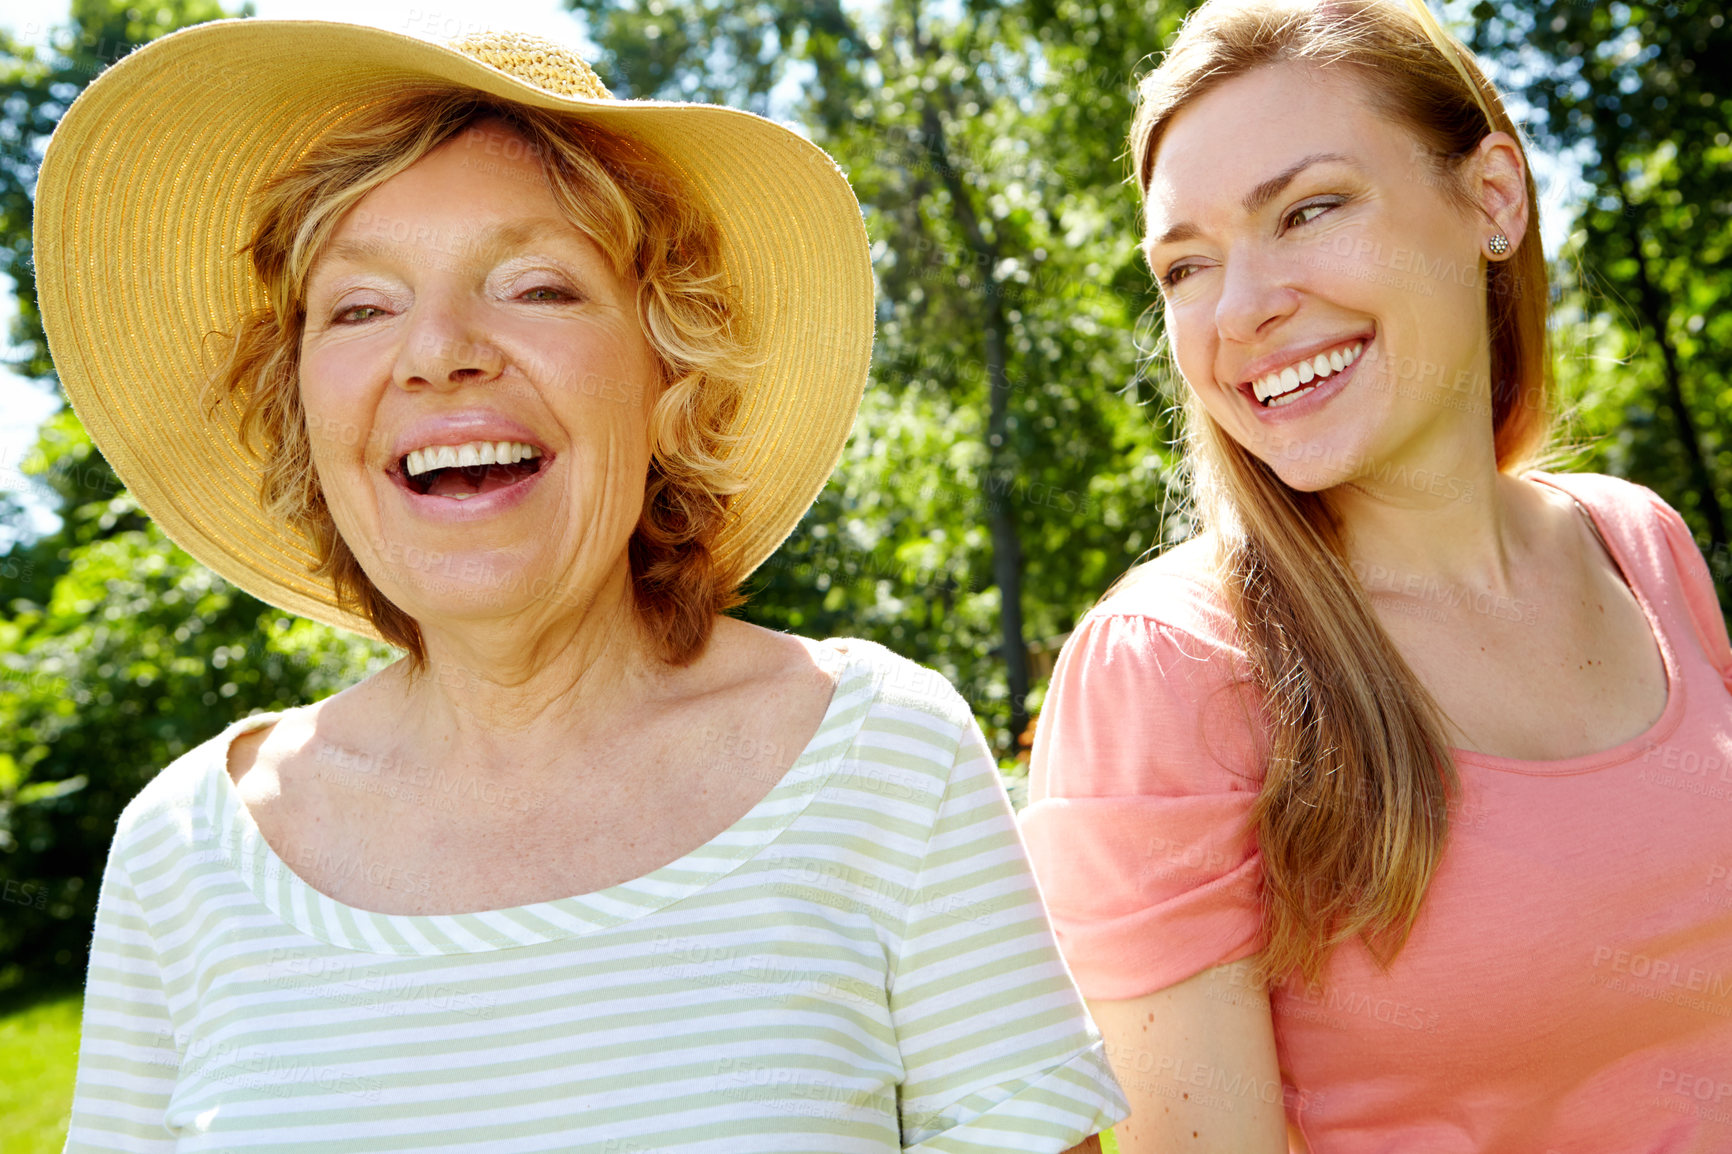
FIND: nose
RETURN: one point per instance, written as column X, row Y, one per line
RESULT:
column 445, row 346
column 1255, row 297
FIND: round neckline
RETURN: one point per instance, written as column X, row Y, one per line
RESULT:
column 275, row 884
column 1670, row 716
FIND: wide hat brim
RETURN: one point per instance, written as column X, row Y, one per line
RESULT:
column 143, row 206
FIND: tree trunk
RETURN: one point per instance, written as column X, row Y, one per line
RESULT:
column 1651, row 301
column 998, row 483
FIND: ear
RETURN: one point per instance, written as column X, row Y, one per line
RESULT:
column 1499, row 185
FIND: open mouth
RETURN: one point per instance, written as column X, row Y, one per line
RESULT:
column 463, row 471
column 1287, row 385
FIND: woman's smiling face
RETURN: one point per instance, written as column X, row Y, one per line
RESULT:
column 456, row 308
column 1323, row 293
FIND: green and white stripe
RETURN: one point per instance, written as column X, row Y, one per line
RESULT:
column 861, row 963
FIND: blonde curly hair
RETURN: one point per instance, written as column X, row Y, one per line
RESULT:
column 622, row 197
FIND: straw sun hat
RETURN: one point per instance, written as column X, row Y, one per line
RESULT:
column 143, row 205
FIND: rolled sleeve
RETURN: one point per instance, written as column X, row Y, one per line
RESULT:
column 998, row 1050
column 1055, row 1111
column 1695, row 584
column 1148, row 761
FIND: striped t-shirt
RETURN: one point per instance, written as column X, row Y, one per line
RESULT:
column 861, row 963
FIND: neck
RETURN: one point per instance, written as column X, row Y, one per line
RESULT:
column 1446, row 514
column 526, row 691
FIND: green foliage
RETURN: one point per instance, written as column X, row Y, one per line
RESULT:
column 1006, row 441
column 1002, row 452
column 1643, row 93
column 117, row 651
column 137, row 654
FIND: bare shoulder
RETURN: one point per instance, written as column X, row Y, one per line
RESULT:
column 258, row 758
column 751, row 659
column 243, row 751
column 1549, row 505
column 269, row 748
column 757, row 692
column 1194, row 556
column 1563, row 533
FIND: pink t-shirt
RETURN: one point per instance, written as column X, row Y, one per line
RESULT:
column 1568, row 985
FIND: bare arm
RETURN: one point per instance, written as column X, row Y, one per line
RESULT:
column 1197, row 1062
column 1089, row 1145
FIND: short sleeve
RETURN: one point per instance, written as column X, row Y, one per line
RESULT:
column 1146, row 763
column 1697, row 586
column 127, row 1058
column 998, row 1051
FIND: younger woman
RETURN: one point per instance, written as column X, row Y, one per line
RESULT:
column 1391, row 812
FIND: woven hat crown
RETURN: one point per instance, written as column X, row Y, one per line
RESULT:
column 535, row 61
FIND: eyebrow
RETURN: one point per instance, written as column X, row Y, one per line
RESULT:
column 1260, row 196
column 1255, row 200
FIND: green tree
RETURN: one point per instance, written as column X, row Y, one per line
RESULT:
column 1643, row 93
column 118, row 652
column 137, row 654
column 1003, row 471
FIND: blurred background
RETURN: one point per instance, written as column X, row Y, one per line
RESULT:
column 1013, row 455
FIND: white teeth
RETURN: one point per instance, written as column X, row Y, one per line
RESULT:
column 469, row 455
column 1272, row 389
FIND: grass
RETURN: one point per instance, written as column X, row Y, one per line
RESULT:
column 38, row 1055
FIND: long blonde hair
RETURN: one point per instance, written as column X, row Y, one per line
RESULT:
column 1352, row 816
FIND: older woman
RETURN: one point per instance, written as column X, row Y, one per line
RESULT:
column 524, row 380
column 1380, row 816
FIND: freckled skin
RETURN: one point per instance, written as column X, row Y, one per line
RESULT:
column 1310, row 268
